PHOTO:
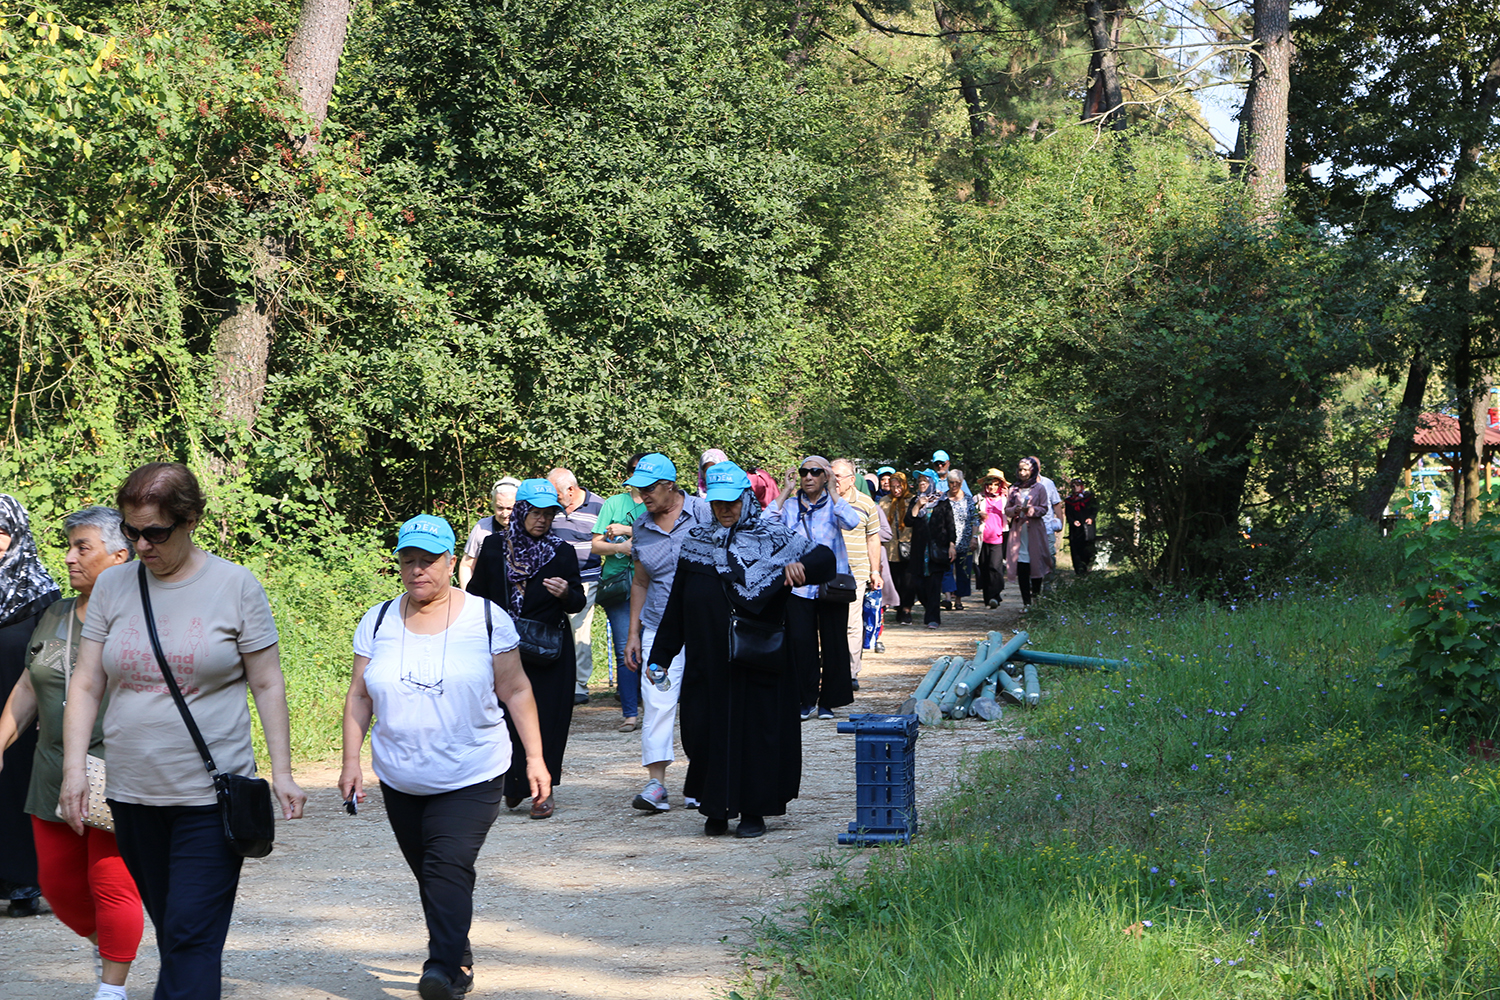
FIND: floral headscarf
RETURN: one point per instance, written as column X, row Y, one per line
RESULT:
column 23, row 578
column 524, row 556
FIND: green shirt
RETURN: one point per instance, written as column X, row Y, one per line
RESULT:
column 44, row 660
column 618, row 509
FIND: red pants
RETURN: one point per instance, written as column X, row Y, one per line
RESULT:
column 85, row 882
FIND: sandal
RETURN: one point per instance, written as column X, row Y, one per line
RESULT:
column 542, row 809
column 629, row 725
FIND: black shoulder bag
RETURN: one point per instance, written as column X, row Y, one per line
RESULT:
column 753, row 643
column 245, row 803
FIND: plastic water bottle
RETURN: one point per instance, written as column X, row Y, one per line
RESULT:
column 657, row 674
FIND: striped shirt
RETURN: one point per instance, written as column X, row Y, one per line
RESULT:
column 577, row 529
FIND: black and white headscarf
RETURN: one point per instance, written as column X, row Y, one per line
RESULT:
column 751, row 558
column 23, row 578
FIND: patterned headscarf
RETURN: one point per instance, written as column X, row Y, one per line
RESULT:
column 751, row 558
column 23, row 578
column 524, row 556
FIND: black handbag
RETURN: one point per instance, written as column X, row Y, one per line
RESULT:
column 245, row 803
column 840, row 590
column 754, row 643
column 541, row 644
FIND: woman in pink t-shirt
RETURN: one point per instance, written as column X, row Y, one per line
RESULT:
column 991, row 504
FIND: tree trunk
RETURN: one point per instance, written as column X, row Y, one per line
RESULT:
column 242, row 342
column 969, row 88
column 312, row 60
column 1261, row 146
column 1469, row 377
column 1104, row 100
column 1403, row 429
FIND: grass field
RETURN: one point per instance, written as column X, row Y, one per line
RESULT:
column 1249, row 809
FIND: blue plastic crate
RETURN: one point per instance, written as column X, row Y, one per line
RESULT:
column 894, row 772
column 871, row 722
column 881, row 748
column 872, row 838
column 885, row 779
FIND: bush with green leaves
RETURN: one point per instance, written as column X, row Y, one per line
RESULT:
column 1447, row 635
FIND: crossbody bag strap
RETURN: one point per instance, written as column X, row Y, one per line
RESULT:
column 68, row 656
column 166, row 672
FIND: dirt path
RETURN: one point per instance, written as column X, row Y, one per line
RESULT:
column 600, row 902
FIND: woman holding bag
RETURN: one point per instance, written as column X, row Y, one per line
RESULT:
column 218, row 637
column 739, row 705
column 534, row 577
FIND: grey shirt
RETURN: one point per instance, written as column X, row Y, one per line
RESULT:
column 656, row 552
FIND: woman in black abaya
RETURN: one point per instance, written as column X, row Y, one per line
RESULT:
column 741, row 722
column 532, row 574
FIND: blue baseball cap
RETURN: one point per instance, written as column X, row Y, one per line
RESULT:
column 725, row 481
column 426, row 532
column 539, row 493
column 883, row 470
column 940, row 456
column 652, row 468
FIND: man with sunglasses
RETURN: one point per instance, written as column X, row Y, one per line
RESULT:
column 656, row 539
column 809, row 507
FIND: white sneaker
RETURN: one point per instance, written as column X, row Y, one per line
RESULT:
column 653, row 798
column 688, row 802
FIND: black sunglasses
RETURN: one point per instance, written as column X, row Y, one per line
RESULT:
column 155, row 534
column 810, row 472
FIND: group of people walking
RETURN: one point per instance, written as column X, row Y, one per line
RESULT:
column 743, row 607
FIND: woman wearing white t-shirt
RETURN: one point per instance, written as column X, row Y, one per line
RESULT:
column 432, row 668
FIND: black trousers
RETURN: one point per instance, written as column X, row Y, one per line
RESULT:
column 905, row 582
column 440, row 837
column 187, row 875
column 930, row 591
column 992, row 569
column 1029, row 588
column 1083, row 552
column 817, row 633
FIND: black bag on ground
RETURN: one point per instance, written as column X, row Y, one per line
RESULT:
column 246, row 805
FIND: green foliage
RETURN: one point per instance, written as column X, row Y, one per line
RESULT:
column 1450, row 607
column 1237, row 813
column 622, row 224
column 147, row 170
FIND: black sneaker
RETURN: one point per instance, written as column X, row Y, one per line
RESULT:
column 435, row 985
column 713, row 827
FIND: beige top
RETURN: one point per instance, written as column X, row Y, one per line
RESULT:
column 206, row 623
column 857, row 540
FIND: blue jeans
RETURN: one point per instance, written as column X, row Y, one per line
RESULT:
column 187, row 876
column 627, row 681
